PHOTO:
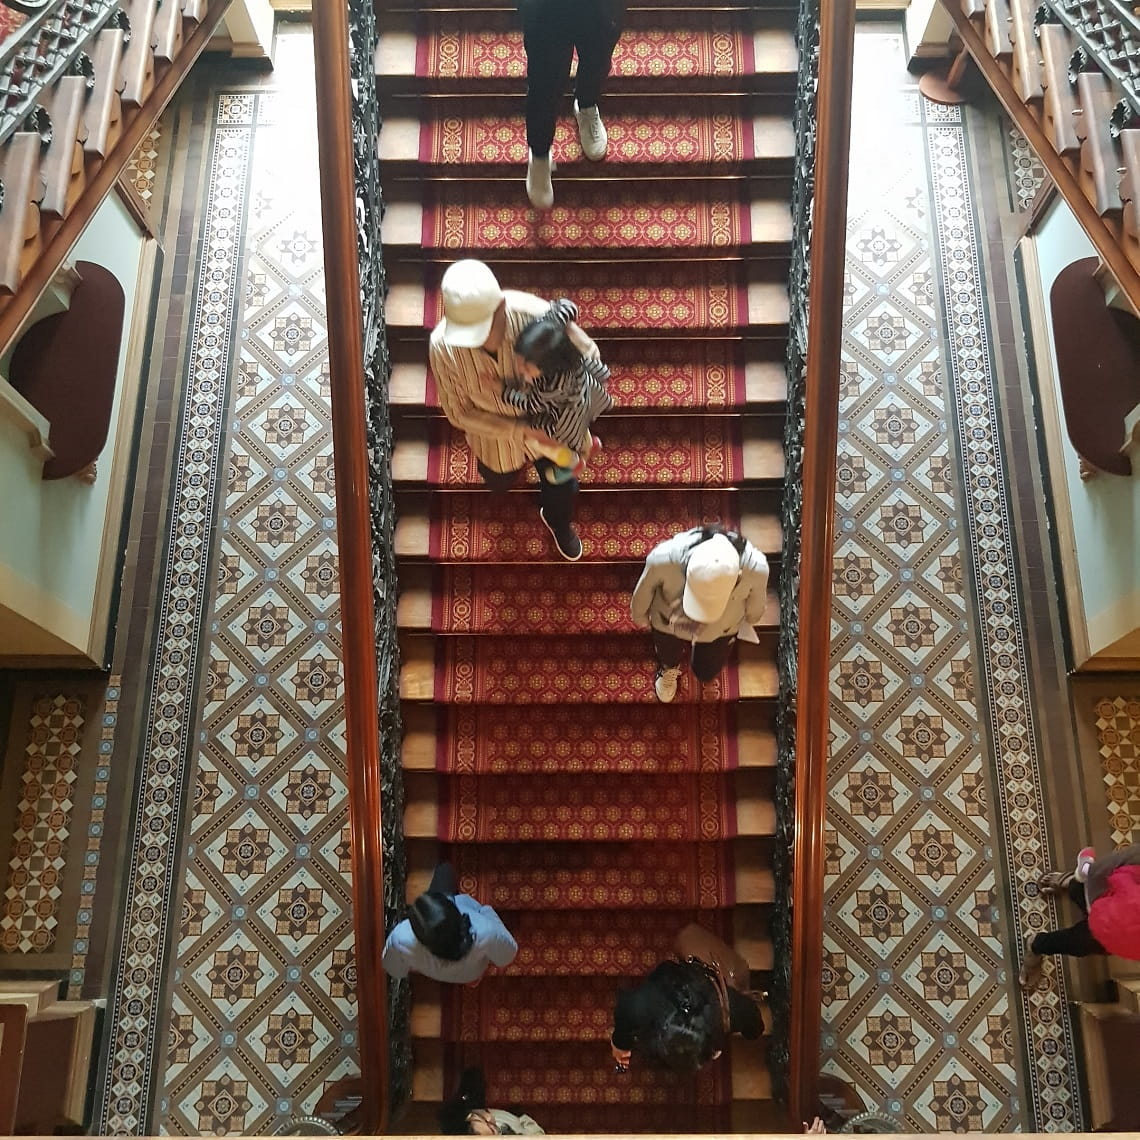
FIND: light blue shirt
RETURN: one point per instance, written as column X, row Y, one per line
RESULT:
column 493, row 945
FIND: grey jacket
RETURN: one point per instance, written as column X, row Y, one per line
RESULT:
column 657, row 596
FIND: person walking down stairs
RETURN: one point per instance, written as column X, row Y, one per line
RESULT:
column 552, row 30
column 448, row 936
column 700, row 590
column 472, row 355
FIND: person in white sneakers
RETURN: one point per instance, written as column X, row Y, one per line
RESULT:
column 699, row 591
column 472, row 355
column 552, row 31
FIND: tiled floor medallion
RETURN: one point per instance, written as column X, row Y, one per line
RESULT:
column 918, row 995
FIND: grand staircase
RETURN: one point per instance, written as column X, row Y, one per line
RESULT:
column 537, row 760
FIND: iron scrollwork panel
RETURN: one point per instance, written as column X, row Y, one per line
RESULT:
column 366, row 123
column 802, row 198
column 46, row 47
column 1108, row 32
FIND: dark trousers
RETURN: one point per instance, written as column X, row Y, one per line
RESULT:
column 557, row 499
column 552, row 30
column 1077, row 941
column 708, row 658
column 443, row 881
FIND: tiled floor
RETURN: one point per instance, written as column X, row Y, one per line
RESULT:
column 231, row 1001
column 934, row 743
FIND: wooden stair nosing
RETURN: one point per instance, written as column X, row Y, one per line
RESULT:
column 765, row 382
column 768, row 308
column 755, row 810
column 137, row 67
column 773, row 141
column 61, row 163
column 102, row 115
column 755, row 736
column 762, row 450
column 757, row 676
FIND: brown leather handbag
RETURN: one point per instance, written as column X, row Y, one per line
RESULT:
column 694, row 941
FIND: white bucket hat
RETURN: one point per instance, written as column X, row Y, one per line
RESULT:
column 710, row 577
column 471, row 296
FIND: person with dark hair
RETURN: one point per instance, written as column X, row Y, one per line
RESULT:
column 466, row 1114
column 1107, row 892
column 700, row 590
column 448, row 936
column 472, row 356
column 561, row 391
column 552, row 31
column 682, row 1015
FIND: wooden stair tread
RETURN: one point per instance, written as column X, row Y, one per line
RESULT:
column 755, row 733
column 755, row 883
column 402, row 231
column 755, row 811
column 768, row 307
column 759, row 519
column 765, row 382
column 773, row 139
column 756, row 666
column 762, row 446
column 417, row 593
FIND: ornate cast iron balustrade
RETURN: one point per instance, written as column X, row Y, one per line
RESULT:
column 803, row 181
column 50, row 44
column 366, row 123
column 1108, row 32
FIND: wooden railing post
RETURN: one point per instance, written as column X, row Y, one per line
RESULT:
column 354, row 538
column 821, row 428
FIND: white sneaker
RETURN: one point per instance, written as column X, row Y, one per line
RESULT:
column 539, row 188
column 591, row 132
column 665, row 684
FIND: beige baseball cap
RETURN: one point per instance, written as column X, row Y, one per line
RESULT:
column 710, row 577
column 471, row 295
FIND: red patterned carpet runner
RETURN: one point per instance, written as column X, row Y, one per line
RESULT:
column 597, row 820
column 701, row 142
column 510, row 671
column 487, row 45
column 652, row 809
column 694, row 374
column 616, row 944
column 586, row 739
column 636, row 451
column 664, row 218
column 473, row 526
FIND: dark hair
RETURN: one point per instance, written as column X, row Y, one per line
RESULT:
column 709, row 530
column 546, row 344
column 691, row 1029
column 438, row 923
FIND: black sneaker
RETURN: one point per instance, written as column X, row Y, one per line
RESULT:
column 568, row 543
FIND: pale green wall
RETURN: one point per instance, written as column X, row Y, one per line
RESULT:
column 1105, row 510
column 51, row 532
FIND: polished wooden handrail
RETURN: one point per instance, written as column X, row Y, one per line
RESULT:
column 821, row 431
column 354, row 538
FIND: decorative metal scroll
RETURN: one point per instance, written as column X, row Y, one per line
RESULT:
column 791, row 512
column 50, row 44
column 366, row 124
column 1108, row 32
